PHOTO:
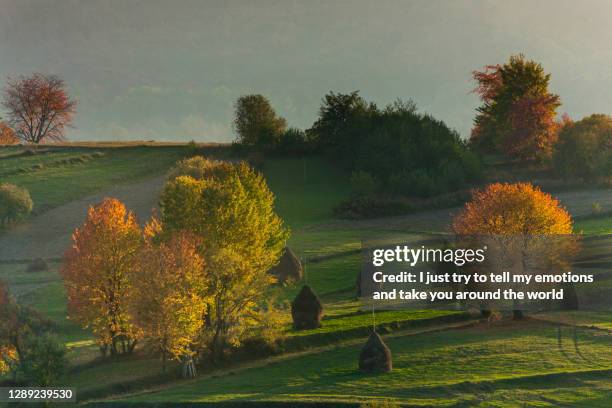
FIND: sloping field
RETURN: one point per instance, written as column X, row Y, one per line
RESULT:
column 48, row 235
column 487, row 365
column 435, row 362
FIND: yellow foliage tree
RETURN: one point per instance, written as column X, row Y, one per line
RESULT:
column 170, row 295
column 233, row 211
column 97, row 275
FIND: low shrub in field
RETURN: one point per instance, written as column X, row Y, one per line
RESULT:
column 15, row 204
column 22, row 339
column 373, row 206
column 269, row 337
column 44, row 360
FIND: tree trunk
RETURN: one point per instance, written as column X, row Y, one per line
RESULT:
column 188, row 369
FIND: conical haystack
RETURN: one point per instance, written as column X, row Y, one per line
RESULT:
column 375, row 356
column 306, row 310
column 38, row 265
column 289, row 267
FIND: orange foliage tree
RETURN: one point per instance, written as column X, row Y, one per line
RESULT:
column 170, row 296
column 7, row 135
column 97, row 275
column 510, row 209
column 517, row 221
column 38, row 107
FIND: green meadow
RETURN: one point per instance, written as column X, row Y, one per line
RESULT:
column 442, row 358
column 57, row 176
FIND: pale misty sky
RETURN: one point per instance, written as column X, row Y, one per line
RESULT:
column 170, row 70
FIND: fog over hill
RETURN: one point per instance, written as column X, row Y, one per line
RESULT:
column 170, row 70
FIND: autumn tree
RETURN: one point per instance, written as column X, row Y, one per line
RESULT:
column 243, row 238
column 9, row 356
column 520, row 220
column 517, row 115
column 199, row 168
column 7, row 135
column 38, row 107
column 18, row 325
column 256, row 123
column 585, row 148
column 170, row 295
column 98, row 272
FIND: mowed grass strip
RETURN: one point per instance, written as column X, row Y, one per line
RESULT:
column 60, row 184
column 598, row 319
column 594, row 226
column 486, row 363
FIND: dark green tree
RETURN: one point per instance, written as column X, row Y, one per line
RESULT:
column 44, row 361
column 343, row 118
column 256, row 123
column 584, row 149
column 396, row 145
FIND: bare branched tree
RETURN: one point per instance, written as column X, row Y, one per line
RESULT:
column 38, row 108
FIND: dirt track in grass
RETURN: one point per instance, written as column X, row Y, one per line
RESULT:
column 48, row 235
column 578, row 203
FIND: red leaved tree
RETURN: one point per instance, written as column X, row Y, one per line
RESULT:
column 533, row 130
column 517, row 115
column 38, row 107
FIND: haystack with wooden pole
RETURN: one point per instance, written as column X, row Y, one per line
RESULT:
column 375, row 357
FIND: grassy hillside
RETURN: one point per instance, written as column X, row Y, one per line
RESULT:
column 437, row 361
column 306, row 189
column 595, row 226
column 487, row 365
column 58, row 175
